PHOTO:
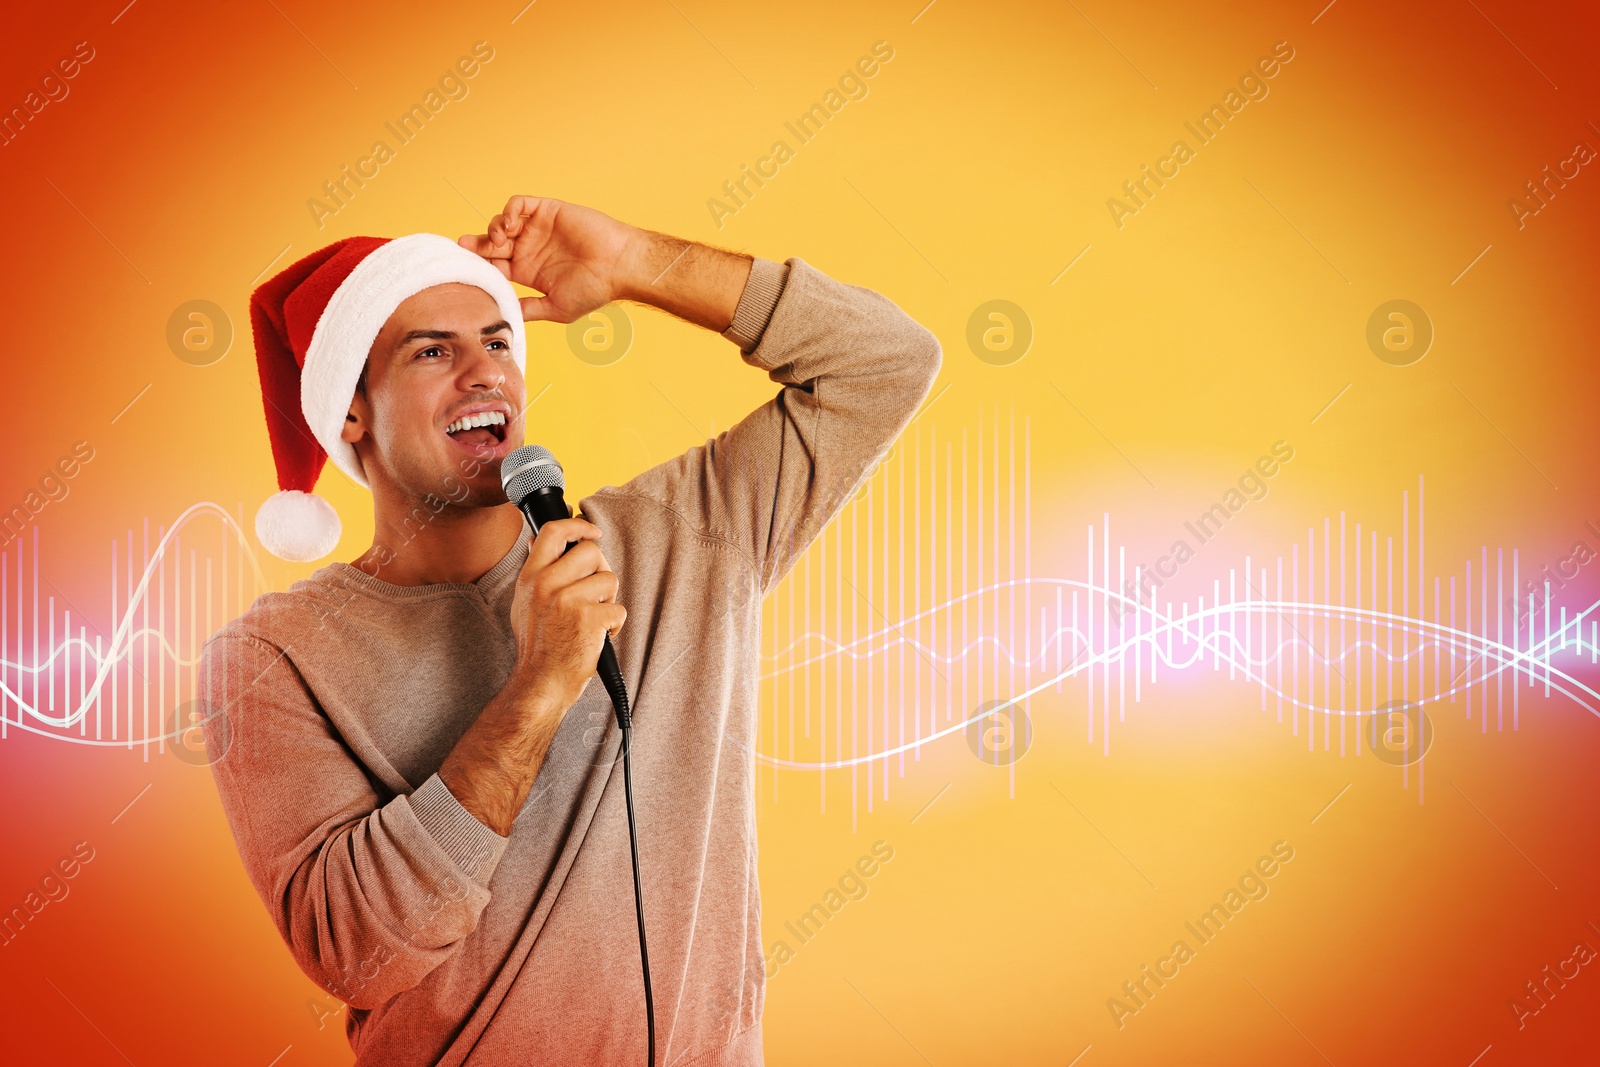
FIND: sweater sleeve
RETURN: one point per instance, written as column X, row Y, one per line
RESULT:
column 369, row 893
column 854, row 368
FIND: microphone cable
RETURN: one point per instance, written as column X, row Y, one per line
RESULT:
column 611, row 678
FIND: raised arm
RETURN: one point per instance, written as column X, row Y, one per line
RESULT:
column 854, row 367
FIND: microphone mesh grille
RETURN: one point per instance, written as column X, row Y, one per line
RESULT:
column 528, row 468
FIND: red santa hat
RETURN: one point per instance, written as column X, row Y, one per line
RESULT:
column 314, row 323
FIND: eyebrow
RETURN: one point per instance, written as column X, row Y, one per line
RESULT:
column 448, row 335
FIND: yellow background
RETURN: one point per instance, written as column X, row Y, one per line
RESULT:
column 1223, row 317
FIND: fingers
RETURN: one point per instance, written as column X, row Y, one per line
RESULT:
column 508, row 224
column 498, row 257
column 598, row 588
column 571, row 565
column 520, row 207
column 481, row 245
column 517, row 224
column 582, row 560
column 538, row 308
column 498, row 226
column 497, row 240
column 612, row 616
column 604, row 565
column 553, row 538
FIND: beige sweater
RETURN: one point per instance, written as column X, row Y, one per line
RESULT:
column 334, row 703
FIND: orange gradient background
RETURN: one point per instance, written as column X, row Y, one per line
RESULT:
column 1222, row 317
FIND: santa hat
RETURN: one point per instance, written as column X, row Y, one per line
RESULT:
column 314, row 324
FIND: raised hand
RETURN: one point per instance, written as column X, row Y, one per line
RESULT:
column 574, row 255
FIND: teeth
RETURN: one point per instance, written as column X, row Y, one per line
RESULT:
column 485, row 418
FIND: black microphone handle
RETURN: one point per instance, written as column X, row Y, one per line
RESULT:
column 546, row 505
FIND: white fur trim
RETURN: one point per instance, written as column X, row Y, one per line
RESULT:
column 389, row 275
column 297, row 526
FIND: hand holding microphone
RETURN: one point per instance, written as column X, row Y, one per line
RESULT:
column 579, row 592
column 563, row 608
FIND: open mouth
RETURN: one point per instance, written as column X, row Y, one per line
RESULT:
column 483, row 430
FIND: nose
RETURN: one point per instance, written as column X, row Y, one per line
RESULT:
column 481, row 371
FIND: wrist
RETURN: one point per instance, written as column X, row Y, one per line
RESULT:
column 645, row 257
column 531, row 692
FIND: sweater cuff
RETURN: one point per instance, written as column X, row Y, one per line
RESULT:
column 474, row 847
column 760, row 296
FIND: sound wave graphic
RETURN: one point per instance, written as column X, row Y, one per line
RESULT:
column 60, row 688
column 859, row 675
column 1182, row 642
column 1343, row 634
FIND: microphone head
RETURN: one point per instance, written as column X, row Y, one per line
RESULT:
column 527, row 469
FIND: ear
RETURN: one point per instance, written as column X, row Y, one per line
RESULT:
column 358, row 422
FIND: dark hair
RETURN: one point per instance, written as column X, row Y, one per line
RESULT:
column 361, row 382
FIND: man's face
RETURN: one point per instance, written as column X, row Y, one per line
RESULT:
column 443, row 355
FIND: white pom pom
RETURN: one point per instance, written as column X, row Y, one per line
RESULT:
column 297, row 526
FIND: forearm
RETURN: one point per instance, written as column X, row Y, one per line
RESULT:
column 492, row 767
column 693, row 281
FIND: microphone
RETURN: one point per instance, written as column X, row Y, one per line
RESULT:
column 534, row 482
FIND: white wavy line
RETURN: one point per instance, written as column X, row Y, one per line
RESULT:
column 1224, row 645
column 1506, row 657
column 1134, row 606
column 117, row 652
column 1204, row 642
column 89, row 653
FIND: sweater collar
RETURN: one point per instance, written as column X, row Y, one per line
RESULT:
column 489, row 582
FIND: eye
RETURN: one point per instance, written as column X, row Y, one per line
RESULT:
column 435, row 349
column 503, row 344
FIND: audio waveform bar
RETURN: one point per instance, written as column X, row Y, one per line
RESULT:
column 120, row 678
column 859, row 674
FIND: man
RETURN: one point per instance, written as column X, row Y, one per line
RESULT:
column 423, row 785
